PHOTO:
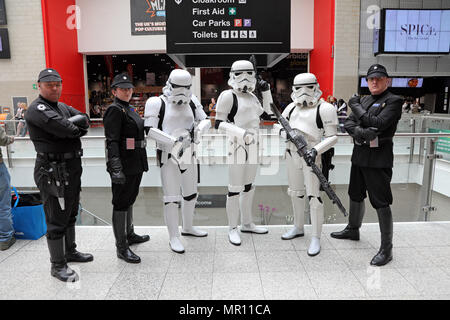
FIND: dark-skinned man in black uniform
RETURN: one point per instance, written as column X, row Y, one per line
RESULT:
column 55, row 129
column 126, row 163
column 372, row 125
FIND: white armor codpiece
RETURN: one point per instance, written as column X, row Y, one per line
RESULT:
column 303, row 184
column 239, row 111
column 172, row 118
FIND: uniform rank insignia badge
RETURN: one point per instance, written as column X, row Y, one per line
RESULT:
column 41, row 107
column 374, row 143
column 376, row 105
column 130, row 144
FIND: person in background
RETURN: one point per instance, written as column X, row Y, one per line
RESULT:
column 212, row 111
column 342, row 114
column 7, row 238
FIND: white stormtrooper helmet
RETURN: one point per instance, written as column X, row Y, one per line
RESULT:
column 242, row 76
column 305, row 90
column 178, row 87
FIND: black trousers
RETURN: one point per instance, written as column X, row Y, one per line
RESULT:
column 59, row 220
column 124, row 195
column 377, row 183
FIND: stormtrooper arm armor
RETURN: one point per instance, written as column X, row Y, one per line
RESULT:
column 234, row 131
column 280, row 130
column 165, row 141
column 267, row 100
column 151, row 113
column 330, row 122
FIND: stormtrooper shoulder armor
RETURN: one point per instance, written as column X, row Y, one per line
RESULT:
column 224, row 105
column 328, row 114
column 151, row 113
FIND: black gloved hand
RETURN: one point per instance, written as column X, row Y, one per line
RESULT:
column 262, row 85
column 365, row 134
column 355, row 104
column 82, row 131
column 114, row 167
column 80, row 120
column 311, row 157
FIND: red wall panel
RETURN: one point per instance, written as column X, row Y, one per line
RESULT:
column 61, row 50
column 321, row 60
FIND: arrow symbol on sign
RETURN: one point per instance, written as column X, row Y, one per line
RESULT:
column 178, row 1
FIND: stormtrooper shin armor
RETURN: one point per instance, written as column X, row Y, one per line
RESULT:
column 242, row 133
column 303, row 184
column 178, row 161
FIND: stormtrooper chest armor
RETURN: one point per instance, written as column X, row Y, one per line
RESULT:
column 248, row 111
column 304, row 119
column 177, row 117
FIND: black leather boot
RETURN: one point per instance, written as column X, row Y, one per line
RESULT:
column 355, row 219
column 59, row 268
column 120, row 233
column 384, row 255
column 131, row 236
column 72, row 255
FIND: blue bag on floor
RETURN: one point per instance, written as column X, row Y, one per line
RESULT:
column 28, row 216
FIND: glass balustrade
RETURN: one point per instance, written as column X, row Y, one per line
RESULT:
column 420, row 176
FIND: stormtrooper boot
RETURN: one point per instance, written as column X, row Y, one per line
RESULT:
column 298, row 206
column 355, row 219
column 120, row 233
column 131, row 236
column 245, row 204
column 187, row 213
column 384, row 255
column 59, row 268
column 316, row 212
column 72, row 255
column 171, row 219
column 232, row 207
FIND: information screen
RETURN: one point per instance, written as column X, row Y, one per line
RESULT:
column 399, row 83
column 228, row 26
column 3, row 20
column 4, row 44
column 416, row 31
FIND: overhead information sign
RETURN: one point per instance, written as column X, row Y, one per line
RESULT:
column 228, row 26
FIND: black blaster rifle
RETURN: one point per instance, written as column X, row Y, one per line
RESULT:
column 301, row 145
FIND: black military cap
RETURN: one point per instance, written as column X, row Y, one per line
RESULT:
column 49, row 75
column 122, row 81
column 377, row 71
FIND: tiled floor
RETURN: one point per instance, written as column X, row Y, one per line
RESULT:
column 263, row 267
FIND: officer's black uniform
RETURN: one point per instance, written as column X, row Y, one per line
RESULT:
column 55, row 129
column 126, row 162
column 374, row 118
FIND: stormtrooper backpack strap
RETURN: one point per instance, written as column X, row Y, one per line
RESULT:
column 233, row 109
column 162, row 111
column 290, row 113
column 318, row 118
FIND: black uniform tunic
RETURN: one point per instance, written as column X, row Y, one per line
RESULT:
column 372, row 167
column 56, row 139
column 122, row 122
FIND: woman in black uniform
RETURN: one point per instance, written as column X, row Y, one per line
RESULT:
column 126, row 162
